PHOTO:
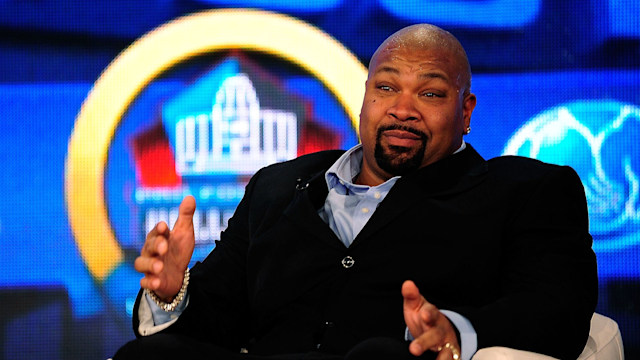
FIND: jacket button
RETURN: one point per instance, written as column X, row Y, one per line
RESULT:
column 348, row 262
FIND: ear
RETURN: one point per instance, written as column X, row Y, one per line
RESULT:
column 469, row 103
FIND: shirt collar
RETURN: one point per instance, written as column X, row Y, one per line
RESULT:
column 462, row 147
column 348, row 166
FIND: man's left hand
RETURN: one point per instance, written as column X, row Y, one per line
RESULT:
column 430, row 329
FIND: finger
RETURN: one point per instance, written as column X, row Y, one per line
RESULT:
column 148, row 265
column 429, row 314
column 150, row 282
column 429, row 340
column 161, row 245
column 413, row 300
column 185, row 213
column 416, row 349
column 155, row 246
column 162, row 228
column 155, row 237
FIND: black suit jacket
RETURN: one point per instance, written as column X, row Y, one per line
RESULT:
column 503, row 242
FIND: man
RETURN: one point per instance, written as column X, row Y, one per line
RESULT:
column 408, row 245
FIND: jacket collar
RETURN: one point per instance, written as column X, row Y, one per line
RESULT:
column 453, row 174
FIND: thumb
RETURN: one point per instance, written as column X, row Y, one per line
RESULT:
column 185, row 213
column 411, row 294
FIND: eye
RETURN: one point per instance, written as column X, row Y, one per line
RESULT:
column 385, row 88
column 430, row 94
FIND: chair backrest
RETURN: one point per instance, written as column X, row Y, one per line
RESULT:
column 605, row 340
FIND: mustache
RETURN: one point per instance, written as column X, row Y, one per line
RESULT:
column 384, row 128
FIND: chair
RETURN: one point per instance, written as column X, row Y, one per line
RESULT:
column 604, row 343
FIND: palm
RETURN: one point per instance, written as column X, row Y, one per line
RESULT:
column 177, row 257
column 166, row 253
column 430, row 329
column 413, row 316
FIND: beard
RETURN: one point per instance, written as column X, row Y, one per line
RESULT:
column 399, row 160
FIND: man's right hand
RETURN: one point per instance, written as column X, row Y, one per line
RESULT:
column 166, row 253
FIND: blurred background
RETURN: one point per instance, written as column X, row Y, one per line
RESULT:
column 182, row 109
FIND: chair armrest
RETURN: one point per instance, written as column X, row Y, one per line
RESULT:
column 505, row 353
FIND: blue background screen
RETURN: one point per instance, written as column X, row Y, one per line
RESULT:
column 556, row 81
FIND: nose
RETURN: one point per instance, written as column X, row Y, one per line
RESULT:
column 404, row 108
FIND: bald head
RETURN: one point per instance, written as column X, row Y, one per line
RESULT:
column 427, row 37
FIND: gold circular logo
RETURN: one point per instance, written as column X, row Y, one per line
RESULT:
column 286, row 37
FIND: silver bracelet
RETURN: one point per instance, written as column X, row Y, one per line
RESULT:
column 176, row 300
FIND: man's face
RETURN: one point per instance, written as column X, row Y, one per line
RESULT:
column 414, row 112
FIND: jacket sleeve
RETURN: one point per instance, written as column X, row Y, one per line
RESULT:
column 548, row 291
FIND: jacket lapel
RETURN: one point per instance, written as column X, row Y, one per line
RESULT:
column 454, row 174
column 303, row 209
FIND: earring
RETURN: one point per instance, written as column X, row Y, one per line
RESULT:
column 468, row 130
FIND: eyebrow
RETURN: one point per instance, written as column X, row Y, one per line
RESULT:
column 388, row 69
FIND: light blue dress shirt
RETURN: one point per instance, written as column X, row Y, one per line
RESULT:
column 349, row 206
column 346, row 210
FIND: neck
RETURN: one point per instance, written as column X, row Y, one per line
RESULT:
column 370, row 178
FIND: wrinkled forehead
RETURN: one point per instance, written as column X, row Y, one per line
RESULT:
column 424, row 39
column 412, row 56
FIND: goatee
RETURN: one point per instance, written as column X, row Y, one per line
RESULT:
column 399, row 160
